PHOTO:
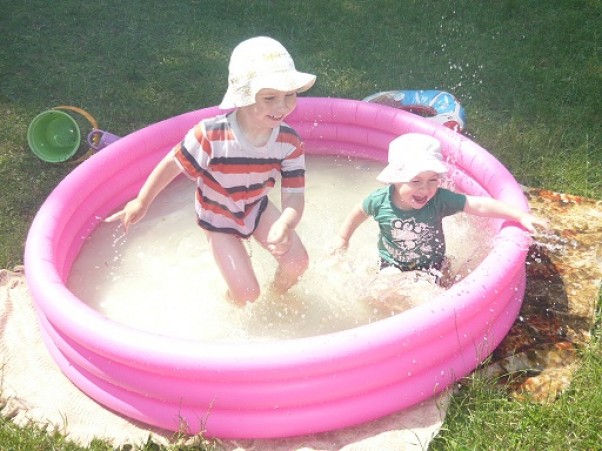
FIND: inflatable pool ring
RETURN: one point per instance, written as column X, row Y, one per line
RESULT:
column 281, row 388
column 438, row 106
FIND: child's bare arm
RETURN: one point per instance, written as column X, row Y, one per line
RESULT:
column 292, row 209
column 293, row 205
column 353, row 220
column 159, row 178
column 493, row 208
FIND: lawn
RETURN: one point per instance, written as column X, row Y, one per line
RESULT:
column 529, row 74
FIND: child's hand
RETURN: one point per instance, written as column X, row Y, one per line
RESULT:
column 133, row 212
column 340, row 246
column 278, row 240
column 531, row 222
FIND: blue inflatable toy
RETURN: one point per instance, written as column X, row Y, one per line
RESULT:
column 438, row 106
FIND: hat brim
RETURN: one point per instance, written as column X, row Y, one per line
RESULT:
column 286, row 82
column 395, row 174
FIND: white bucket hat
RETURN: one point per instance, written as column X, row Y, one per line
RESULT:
column 411, row 154
column 259, row 63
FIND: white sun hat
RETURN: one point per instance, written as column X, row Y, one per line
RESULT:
column 259, row 63
column 411, row 154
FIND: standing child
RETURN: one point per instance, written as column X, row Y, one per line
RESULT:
column 235, row 159
column 409, row 211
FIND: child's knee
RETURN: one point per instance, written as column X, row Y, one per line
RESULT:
column 299, row 264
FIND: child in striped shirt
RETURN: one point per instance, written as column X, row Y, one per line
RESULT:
column 235, row 159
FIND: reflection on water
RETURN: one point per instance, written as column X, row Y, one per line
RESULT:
column 161, row 276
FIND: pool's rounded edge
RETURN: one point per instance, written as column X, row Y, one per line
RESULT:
column 300, row 360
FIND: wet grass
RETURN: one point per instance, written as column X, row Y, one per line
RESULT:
column 528, row 73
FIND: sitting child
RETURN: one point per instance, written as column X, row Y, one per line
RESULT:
column 410, row 209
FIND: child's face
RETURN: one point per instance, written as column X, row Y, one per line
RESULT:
column 416, row 193
column 272, row 106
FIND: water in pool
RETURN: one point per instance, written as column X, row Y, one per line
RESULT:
column 161, row 277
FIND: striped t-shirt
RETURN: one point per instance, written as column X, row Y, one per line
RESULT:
column 233, row 176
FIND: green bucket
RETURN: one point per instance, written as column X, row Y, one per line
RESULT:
column 53, row 136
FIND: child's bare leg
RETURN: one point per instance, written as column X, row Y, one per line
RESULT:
column 291, row 266
column 235, row 266
column 293, row 263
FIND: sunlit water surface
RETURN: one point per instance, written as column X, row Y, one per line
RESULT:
column 161, row 277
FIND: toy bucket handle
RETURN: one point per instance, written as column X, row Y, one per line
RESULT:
column 93, row 123
column 88, row 117
column 84, row 113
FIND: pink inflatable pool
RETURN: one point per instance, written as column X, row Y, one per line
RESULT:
column 282, row 388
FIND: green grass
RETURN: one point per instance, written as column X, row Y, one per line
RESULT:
column 14, row 438
column 481, row 417
column 529, row 74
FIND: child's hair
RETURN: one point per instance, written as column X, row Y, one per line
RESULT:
column 259, row 63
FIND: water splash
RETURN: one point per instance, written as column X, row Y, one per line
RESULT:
column 553, row 242
column 161, row 276
column 462, row 77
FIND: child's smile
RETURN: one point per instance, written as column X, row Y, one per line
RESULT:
column 416, row 193
column 420, row 200
column 270, row 109
column 277, row 118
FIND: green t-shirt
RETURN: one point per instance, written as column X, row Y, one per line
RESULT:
column 412, row 239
